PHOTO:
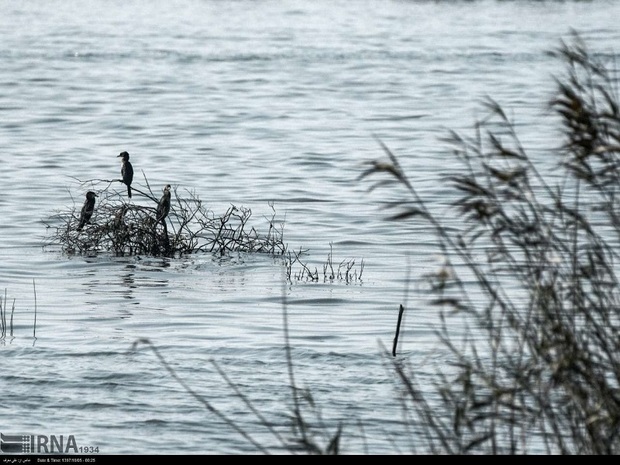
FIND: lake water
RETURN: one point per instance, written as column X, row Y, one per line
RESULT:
column 245, row 103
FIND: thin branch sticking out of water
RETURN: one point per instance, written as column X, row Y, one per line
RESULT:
column 9, row 328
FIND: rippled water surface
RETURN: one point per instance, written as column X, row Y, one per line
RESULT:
column 245, row 103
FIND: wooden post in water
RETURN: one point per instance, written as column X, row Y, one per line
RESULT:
column 400, row 318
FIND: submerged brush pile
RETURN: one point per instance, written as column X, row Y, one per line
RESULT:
column 131, row 227
column 173, row 225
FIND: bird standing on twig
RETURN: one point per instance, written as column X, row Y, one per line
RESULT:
column 87, row 209
column 163, row 207
column 126, row 171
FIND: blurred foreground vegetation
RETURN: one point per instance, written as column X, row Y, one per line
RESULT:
column 533, row 271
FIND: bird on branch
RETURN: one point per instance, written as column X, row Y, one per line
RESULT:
column 87, row 209
column 126, row 171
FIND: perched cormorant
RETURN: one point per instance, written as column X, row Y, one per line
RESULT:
column 87, row 209
column 163, row 207
column 126, row 171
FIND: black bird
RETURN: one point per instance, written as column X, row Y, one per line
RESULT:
column 163, row 207
column 87, row 209
column 126, row 171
